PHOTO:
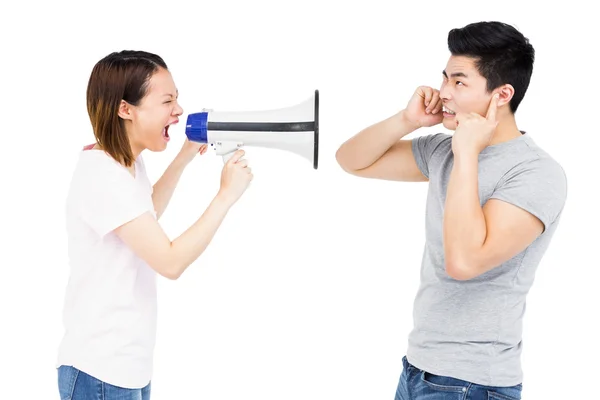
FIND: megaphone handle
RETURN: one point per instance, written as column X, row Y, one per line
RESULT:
column 227, row 157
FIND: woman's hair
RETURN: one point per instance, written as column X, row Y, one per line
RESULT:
column 119, row 76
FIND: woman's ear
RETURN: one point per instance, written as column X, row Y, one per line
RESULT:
column 124, row 110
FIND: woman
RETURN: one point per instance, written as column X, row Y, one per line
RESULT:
column 116, row 246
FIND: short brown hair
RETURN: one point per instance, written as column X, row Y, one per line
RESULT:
column 119, row 76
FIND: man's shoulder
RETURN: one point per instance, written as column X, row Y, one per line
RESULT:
column 434, row 141
column 540, row 162
column 439, row 137
column 536, row 173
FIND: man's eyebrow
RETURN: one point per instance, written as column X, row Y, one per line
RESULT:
column 455, row 75
column 170, row 95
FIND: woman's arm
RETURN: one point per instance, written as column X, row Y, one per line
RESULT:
column 163, row 189
column 169, row 258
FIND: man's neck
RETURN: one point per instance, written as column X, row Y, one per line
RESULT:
column 506, row 130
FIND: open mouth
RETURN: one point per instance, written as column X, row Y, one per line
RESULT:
column 448, row 112
column 165, row 133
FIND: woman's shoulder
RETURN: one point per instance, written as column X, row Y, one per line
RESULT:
column 95, row 164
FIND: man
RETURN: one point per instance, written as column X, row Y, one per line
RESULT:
column 494, row 202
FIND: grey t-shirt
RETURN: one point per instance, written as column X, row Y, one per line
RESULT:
column 471, row 330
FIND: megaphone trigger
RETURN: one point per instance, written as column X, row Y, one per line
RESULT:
column 227, row 149
column 227, row 157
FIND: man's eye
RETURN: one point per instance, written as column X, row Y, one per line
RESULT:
column 459, row 82
column 168, row 101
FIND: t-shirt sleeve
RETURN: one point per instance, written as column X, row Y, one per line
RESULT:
column 111, row 198
column 538, row 186
column 423, row 148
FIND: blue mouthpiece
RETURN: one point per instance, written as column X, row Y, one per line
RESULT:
column 196, row 127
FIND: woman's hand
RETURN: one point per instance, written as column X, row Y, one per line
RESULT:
column 190, row 149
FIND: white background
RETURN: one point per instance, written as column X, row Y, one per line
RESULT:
column 306, row 291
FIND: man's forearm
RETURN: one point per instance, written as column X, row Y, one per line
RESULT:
column 164, row 188
column 465, row 228
column 371, row 143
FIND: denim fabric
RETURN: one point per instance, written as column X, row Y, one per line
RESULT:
column 416, row 384
column 74, row 384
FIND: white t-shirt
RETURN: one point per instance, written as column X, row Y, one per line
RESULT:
column 110, row 304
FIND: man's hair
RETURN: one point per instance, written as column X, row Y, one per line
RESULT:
column 502, row 55
column 118, row 76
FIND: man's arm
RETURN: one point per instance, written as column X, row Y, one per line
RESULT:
column 379, row 152
column 477, row 239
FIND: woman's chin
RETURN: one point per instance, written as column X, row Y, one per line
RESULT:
column 161, row 147
column 157, row 146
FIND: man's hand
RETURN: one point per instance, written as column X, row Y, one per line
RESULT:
column 474, row 132
column 424, row 108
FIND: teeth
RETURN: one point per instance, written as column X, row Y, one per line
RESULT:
column 448, row 111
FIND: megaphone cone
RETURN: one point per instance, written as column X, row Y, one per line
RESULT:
column 294, row 129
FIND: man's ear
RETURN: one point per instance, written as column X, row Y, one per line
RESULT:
column 506, row 93
column 125, row 110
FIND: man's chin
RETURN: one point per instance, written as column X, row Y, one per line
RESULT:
column 449, row 123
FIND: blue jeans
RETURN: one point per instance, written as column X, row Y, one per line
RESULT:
column 74, row 384
column 416, row 384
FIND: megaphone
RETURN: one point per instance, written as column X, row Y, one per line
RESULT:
column 294, row 129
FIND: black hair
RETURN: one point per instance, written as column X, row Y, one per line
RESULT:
column 503, row 55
